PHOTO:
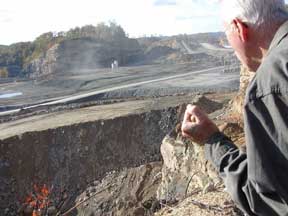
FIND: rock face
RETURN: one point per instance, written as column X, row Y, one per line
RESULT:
column 129, row 192
column 237, row 104
column 214, row 203
column 185, row 48
column 44, row 65
column 190, row 179
column 88, row 53
column 245, row 77
column 185, row 169
column 83, row 53
column 144, row 190
column 91, row 53
column 70, row 157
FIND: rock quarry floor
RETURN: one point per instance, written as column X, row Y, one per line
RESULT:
column 143, row 181
column 131, row 191
column 136, row 81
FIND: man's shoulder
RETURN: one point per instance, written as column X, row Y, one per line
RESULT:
column 279, row 54
column 272, row 75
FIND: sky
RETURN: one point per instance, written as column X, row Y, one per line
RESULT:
column 25, row 20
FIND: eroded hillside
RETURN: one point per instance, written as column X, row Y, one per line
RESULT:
column 97, row 47
column 88, row 158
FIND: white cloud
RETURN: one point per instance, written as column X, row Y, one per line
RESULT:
column 24, row 20
column 165, row 2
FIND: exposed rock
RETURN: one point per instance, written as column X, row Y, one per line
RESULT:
column 44, row 65
column 185, row 168
column 188, row 177
column 158, row 53
column 129, row 192
column 216, row 203
column 58, row 155
column 83, row 53
column 238, row 102
column 71, row 150
column 88, row 53
column 245, row 77
column 52, row 210
column 206, row 104
column 186, row 48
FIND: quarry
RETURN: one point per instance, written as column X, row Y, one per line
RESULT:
column 80, row 139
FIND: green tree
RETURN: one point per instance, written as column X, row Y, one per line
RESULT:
column 19, row 55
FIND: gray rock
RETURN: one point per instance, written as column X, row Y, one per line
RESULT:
column 51, row 210
column 184, row 168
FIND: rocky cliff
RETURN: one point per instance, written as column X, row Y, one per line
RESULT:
column 96, row 160
column 44, row 65
column 90, row 53
column 83, row 53
column 95, row 47
column 238, row 102
column 207, row 194
column 70, row 150
column 88, row 46
column 185, row 183
column 200, row 49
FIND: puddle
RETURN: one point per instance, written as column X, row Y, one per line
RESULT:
column 10, row 95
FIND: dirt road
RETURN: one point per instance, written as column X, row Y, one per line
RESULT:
column 152, row 80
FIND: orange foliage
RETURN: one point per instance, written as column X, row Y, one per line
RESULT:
column 38, row 199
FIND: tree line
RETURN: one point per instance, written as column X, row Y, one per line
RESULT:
column 14, row 58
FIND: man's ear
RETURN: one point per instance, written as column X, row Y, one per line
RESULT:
column 242, row 29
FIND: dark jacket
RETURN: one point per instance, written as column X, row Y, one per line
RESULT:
column 258, row 180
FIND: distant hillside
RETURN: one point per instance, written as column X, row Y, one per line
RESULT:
column 101, row 44
column 195, row 48
column 91, row 47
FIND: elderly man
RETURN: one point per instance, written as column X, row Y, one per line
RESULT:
column 257, row 180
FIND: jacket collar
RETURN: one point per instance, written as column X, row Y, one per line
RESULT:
column 281, row 33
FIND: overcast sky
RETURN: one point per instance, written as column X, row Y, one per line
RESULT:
column 24, row 20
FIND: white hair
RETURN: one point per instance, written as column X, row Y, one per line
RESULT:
column 254, row 12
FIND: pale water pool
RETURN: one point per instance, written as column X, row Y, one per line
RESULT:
column 10, row 95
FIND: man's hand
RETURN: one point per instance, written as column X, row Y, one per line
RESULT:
column 197, row 126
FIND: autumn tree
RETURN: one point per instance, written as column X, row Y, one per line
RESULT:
column 3, row 72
